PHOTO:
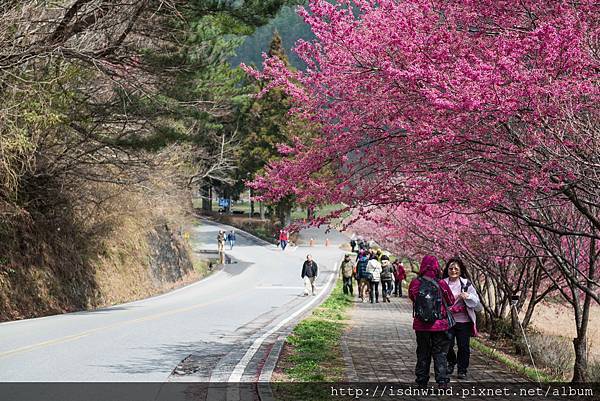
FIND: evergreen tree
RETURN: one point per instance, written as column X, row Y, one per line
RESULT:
column 267, row 125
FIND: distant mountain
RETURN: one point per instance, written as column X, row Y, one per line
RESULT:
column 291, row 28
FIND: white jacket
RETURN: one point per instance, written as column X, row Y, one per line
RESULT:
column 472, row 302
column 374, row 267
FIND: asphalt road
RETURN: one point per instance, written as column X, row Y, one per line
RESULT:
column 223, row 328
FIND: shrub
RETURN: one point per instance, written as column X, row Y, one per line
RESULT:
column 593, row 370
column 499, row 329
column 554, row 353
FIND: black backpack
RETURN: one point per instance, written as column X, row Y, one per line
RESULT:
column 428, row 303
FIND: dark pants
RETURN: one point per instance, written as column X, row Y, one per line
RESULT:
column 348, row 286
column 398, row 288
column 386, row 288
column 461, row 334
column 374, row 290
column 283, row 244
column 432, row 344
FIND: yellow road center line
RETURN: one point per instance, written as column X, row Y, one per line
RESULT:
column 111, row 326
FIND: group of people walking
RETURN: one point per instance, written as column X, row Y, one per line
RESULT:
column 444, row 307
column 369, row 269
column 225, row 237
column 444, row 302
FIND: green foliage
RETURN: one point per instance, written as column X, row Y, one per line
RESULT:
column 89, row 101
column 316, row 341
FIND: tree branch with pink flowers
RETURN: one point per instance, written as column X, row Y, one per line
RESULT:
column 478, row 107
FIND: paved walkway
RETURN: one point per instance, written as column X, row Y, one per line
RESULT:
column 380, row 345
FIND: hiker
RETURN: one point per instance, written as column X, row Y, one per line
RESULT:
column 361, row 275
column 347, row 272
column 309, row 274
column 283, row 238
column 387, row 277
column 221, row 246
column 231, row 239
column 430, row 295
column 464, row 308
column 374, row 276
column 353, row 244
column 399, row 276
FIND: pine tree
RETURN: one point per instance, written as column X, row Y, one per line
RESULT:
column 267, row 125
column 276, row 48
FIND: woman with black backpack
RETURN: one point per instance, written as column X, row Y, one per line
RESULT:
column 430, row 296
column 463, row 310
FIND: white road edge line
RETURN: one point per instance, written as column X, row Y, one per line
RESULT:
column 238, row 371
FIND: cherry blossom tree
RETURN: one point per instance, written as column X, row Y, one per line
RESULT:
column 478, row 106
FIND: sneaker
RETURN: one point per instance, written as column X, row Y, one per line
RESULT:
column 314, row 295
column 461, row 375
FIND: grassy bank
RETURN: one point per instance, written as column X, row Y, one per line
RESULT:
column 512, row 363
column 312, row 353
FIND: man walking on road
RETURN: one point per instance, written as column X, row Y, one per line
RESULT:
column 309, row 274
column 231, row 239
column 347, row 271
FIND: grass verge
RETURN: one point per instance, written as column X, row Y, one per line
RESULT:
column 512, row 363
column 313, row 351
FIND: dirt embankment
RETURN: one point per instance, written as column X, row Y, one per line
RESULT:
column 130, row 246
column 126, row 267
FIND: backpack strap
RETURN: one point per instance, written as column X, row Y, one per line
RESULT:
column 421, row 279
column 432, row 281
column 449, row 316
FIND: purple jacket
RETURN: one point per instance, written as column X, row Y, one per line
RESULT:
column 431, row 268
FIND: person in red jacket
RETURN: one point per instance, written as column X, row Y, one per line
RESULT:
column 432, row 337
column 283, row 238
column 399, row 276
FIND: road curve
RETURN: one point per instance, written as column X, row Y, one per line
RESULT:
column 226, row 327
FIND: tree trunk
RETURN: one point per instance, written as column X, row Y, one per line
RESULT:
column 580, row 368
column 580, row 343
column 262, row 210
column 206, row 194
column 514, row 320
column 285, row 215
column 251, row 203
column 288, row 217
